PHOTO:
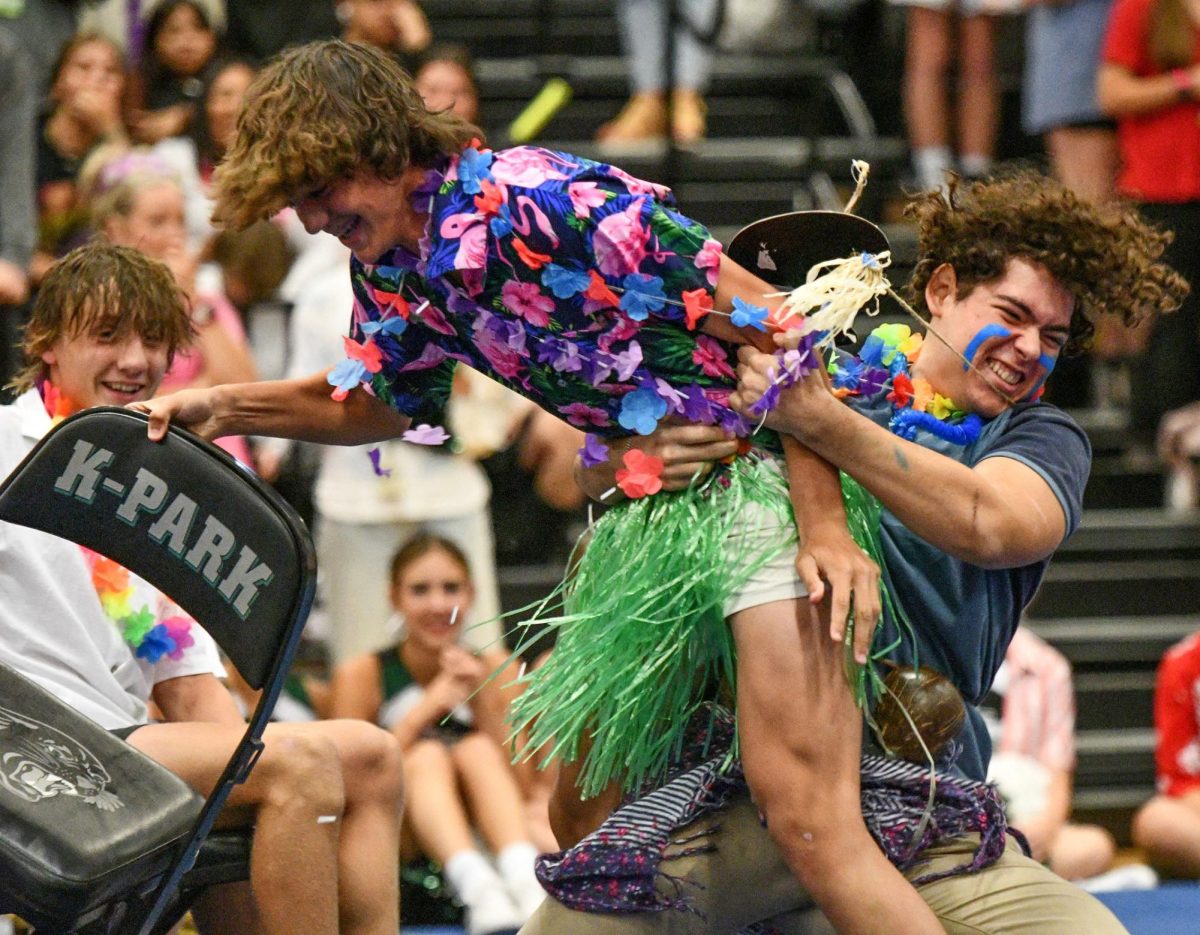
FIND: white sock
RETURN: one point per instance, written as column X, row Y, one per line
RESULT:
column 931, row 164
column 467, row 872
column 975, row 165
column 515, row 863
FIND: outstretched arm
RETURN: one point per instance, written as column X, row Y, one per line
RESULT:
column 301, row 409
column 999, row 514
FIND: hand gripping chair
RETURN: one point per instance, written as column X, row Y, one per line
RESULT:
column 94, row 836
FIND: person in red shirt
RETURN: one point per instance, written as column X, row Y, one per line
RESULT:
column 1149, row 82
column 1167, row 827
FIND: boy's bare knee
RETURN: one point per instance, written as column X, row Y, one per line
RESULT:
column 302, row 771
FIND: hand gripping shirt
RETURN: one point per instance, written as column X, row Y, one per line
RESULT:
column 564, row 279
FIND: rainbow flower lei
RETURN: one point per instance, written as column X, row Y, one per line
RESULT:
column 885, row 359
column 148, row 637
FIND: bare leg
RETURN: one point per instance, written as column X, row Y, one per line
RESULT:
column 1081, row 851
column 1168, row 830
column 1085, row 160
column 978, row 94
column 435, row 808
column 572, row 818
column 800, row 733
column 926, row 68
column 368, row 878
column 296, row 782
column 490, row 790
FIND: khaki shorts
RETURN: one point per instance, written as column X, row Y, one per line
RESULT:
column 743, row 880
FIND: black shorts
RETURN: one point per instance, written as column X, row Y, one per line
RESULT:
column 124, row 732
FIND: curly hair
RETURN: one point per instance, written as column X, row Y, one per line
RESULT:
column 1105, row 255
column 321, row 112
column 100, row 288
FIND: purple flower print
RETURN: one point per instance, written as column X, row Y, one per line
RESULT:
column 426, row 435
column 593, row 451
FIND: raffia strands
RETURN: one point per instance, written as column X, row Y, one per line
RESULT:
column 835, row 291
column 643, row 639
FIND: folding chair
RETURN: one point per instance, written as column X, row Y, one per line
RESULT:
column 95, row 837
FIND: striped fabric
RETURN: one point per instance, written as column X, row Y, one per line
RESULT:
column 907, row 810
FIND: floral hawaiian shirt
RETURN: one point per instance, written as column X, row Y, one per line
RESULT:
column 565, row 279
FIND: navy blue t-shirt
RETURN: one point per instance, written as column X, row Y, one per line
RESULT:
column 964, row 616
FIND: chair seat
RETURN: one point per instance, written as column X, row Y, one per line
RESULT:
column 85, row 815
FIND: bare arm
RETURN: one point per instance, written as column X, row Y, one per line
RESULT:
column 490, row 703
column 1120, row 92
column 998, row 514
column 354, row 690
column 196, row 698
column 827, row 550
column 301, row 409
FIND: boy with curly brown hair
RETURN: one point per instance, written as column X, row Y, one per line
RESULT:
column 1011, row 273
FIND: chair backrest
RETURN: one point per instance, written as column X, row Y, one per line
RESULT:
column 188, row 519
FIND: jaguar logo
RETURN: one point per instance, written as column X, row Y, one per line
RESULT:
column 39, row 762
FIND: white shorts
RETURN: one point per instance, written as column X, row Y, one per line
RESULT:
column 777, row 579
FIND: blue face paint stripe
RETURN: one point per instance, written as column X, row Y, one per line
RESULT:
column 987, row 332
column 1047, row 362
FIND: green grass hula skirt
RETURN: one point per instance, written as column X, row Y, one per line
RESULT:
column 642, row 638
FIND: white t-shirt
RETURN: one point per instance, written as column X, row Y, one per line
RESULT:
column 52, row 627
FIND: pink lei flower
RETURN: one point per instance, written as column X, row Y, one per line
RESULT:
column 582, row 414
column 709, row 259
column 711, row 357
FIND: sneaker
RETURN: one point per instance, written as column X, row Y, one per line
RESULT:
column 491, row 910
column 527, row 893
column 1127, row 877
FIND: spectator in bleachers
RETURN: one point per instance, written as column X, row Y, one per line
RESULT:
column 1167, row 828
column 1062, row 55
column 434, row 695
column 134, row 199
column 397, row 26
column 644, row 34
column 1033, row 758
column 85, row 97
column 1179, row 448
column 1150, row 83
column 445, row 79
column 104, row 327
column 194, row 156
column 179, row 61
column 942, row 35
column 125, row 22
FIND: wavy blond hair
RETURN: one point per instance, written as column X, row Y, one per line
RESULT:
column 321, row 112
column 1105, row 255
